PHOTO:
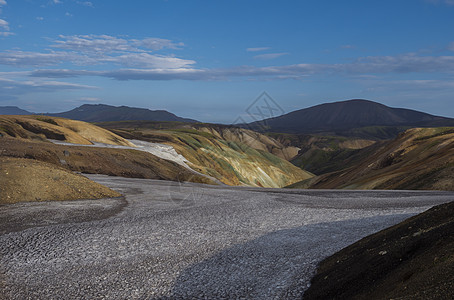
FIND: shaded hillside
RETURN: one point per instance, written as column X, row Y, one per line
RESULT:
column 232, row 155
column 25, row 180
column 343, row 118
column 103, row 113
column 94, row 160
column 43, row 128
column 420, row 158
column 13, row 110
column 323, row 154
column 411, row 260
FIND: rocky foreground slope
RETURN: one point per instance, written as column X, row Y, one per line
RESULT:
column 411, row 260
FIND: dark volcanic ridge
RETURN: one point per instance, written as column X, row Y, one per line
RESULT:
column 13, row 110
column 346, row 115
column 106, row 113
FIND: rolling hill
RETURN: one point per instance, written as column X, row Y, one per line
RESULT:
column 35, row 169
column 71, row 131
column 232, row 155
column 361, row 118
column 105, row 113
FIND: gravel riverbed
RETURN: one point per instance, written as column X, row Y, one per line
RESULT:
column 164, row 240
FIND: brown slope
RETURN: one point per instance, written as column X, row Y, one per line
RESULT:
column 418, row 159
column 43, row 127
column 25, row 180
column 411, row 260
column 94, row 160
column 232, row 155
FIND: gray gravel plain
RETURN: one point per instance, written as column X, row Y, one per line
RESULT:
column 170, row 241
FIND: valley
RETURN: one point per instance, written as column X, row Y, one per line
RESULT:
column 419, row 158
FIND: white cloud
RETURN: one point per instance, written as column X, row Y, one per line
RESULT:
column 12, row 88
column 133, row 74
column 159, row 74
column 84, row 50
column 143, row 60
column 57, row 1
column 39, row 18
column 257, row 49
column 93, row 43
column 90, row 99
column 270, row 55
column 157, row 44
column 106, row 43
column 408, row 63
column 24, row 58
column 61, row 73
column 135, row 59
column 4, row 25
column 364, row 67
column 85, row 3
column 68, row 14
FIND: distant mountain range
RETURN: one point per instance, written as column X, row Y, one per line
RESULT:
column 359, row 118
column 340, row 117
column 13, row 110
column 106, row 113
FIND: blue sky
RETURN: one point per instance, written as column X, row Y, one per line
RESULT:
column 209, row 60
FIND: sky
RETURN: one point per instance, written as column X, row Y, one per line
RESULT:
column 211, row 60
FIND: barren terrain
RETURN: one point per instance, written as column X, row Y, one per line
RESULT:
column 190, row 241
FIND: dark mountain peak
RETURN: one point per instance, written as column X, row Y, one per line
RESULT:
column 13, row 110
column 349, row 104
column 348, row 114
column 106, row 113
column 354, row 102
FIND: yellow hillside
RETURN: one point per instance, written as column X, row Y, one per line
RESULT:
column 43, row 127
